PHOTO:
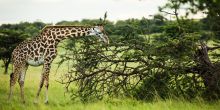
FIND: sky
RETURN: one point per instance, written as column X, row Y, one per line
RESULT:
column 52, row 11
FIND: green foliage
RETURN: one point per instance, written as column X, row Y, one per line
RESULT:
column 29, row 29
column 138, row 65
column 135, row 66
column 9, row 40
column 207, row 7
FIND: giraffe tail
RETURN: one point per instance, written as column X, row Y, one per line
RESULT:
column 11, row 75
column 12, row 71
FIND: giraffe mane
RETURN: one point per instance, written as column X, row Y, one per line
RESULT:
column 62, row 26
column 57, row 26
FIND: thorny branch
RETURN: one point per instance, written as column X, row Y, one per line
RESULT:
column 117, row 70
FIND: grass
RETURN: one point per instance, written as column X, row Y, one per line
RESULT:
column 57, row 99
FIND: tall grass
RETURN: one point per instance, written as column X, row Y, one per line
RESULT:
column 57, row 99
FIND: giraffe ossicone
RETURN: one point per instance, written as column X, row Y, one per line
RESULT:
column 41, row 50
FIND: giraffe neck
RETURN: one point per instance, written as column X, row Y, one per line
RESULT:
column 59, row 33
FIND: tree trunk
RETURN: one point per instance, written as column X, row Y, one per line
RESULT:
column 210, row 72
column 211, row 81
column 6, row 64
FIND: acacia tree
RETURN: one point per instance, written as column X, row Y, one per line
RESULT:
column 176, row 61
column 202, row 64
column 133, row 66
column 9, row 39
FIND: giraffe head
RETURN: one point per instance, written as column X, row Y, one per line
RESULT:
column 100, row 32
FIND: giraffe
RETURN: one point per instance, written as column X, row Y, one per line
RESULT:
column 41, row 50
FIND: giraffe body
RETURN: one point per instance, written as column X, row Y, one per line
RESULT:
column 42, row 51
column 31, row 53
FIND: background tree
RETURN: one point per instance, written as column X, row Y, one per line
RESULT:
column 9, row 40
column 30, row 29
column 12, row 34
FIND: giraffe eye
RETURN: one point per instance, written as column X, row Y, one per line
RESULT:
column 99, row 33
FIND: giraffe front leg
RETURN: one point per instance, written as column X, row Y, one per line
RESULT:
column 47, row 86
column 39, row 89
column 47, row 66
column 46, row 78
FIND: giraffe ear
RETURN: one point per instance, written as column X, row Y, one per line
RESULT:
column 100, row 19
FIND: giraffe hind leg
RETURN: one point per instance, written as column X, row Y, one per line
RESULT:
column 13, row 78
column 21, row 82
column 10, row 91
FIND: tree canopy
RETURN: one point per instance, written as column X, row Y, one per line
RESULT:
column 9, row 39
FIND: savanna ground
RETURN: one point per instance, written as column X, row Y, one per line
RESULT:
column 58, row 100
